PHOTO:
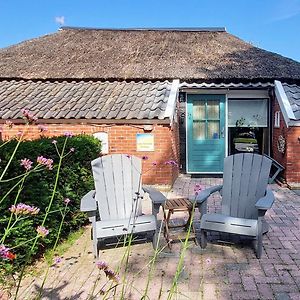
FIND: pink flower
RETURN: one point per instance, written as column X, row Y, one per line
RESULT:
column 28, row 117
column 23, row 209
column 197, row 189
column 47, row 162
column 145, row 157
column 6, row 254
column 72, row 149
column 208, row 261
column 42, row 128
column 67, row 201
column 68, row 134
column 171, row 163
column 57, row 260
column 42, row 231
column 154, row 163
column 9, row 124
column 102, row 265
column 3, row 251
column 111, row 275
column 54, row 142
column 26, row 163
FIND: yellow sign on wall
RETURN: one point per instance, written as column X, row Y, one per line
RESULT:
column 144, row 142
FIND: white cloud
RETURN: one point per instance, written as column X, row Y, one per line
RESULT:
column 60, row 20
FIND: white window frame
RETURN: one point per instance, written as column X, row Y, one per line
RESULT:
column 277, row 119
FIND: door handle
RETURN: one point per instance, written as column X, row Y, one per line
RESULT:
column 223, row 132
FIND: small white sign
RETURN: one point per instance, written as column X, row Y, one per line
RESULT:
column 144, row 142
column 103, row 137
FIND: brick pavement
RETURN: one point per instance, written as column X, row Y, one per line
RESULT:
column 224, row 270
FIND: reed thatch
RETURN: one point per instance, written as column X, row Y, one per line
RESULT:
column 74, row 53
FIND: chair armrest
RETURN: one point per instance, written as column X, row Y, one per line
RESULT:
column 202, row 196
column 265, row 202
column 155, row 195
column 88, row 202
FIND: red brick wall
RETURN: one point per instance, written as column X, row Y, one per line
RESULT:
column 121, row 139
column 291, row 158
column 282, row 130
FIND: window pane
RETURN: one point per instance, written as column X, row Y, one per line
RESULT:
column 248, row 113
column 213, row 110
column 199, row 130
column 213, row 129
column 199, row 110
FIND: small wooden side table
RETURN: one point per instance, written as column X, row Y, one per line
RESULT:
column 177, row 205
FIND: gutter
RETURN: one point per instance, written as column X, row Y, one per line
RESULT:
column 284, row 103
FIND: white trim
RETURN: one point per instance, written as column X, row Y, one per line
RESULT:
column 226, row 126
column 277, row 119
column 186, row 136
column 230, row 93
column 171, row 105
column 294, row 123
column 204, row 172
column 284, row 103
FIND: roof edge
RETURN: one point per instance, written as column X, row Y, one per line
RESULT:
column 170, row 108
column 194, row 29
column 284, row 103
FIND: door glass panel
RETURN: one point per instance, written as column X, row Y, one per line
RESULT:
column 213, row 129
column 213, row 110
column 199, row 110
column 199, row 130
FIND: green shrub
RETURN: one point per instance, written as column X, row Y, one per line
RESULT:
column 74, row 181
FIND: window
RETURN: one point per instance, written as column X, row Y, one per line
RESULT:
column 248, row 125
column 206, row 119
column 277, row 119
column 103, row 137
column 248, row 113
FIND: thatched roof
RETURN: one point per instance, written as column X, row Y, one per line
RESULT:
column 144, row 54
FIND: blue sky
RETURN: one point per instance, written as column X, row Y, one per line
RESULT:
column 273, row 25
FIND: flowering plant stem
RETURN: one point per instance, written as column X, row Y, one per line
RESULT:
column 182, row 255
column 53, row 250
column 45, row 216
column 11, row 158
column 8, row 228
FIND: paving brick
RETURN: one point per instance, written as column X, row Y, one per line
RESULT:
column 221, row 271
column 265, row 291
column 288, row 288
column 295, row 296
column 282, row 296
column 249, row 283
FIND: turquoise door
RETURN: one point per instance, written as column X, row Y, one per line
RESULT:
column 205, row 133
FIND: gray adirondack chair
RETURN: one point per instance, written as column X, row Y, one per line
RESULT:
column 114, row 207
column 245, row 199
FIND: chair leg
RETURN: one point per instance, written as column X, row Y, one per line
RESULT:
column 95, row 244
column 155, row 240
column 203, row 239
column 96, row 249
column 259, row 246
column 260, row 228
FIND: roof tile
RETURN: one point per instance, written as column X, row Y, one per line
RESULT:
column 293, row 94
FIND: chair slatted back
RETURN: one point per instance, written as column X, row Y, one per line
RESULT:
column 117, row 180
column 245, row 180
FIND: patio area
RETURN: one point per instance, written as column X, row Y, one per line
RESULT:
column 224, row 270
